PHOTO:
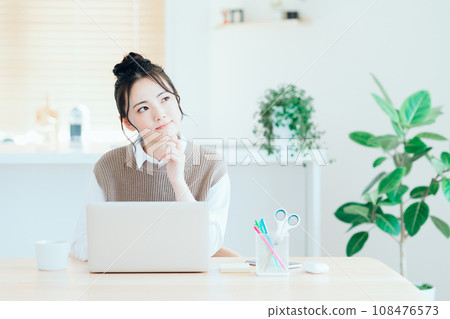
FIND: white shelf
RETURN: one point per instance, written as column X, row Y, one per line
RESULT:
column 265, row 23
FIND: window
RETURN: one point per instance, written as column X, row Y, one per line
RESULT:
column 55, row 47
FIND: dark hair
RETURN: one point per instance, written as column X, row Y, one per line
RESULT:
column 132, row 68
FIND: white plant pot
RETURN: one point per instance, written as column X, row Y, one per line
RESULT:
column 282, row 131
column 430, row 294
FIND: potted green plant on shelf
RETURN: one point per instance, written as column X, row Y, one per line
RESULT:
column 387, row 191
column 286, row 112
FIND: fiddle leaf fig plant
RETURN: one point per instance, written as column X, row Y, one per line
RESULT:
column 387, row 191
column 289, row 107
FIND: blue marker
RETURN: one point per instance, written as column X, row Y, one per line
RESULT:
column 263, row 226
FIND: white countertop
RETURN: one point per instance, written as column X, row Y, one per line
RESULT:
column 34, row 154
column 49, row 158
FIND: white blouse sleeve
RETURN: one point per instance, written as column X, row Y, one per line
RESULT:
column 79, row 243
column 218, row 200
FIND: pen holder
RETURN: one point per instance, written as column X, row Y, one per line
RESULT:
column 275, row 261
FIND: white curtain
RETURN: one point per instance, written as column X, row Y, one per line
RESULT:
column 68, row 48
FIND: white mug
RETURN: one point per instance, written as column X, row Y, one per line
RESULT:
column 52, row 254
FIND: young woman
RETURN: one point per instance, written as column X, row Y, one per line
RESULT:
column 160, row 165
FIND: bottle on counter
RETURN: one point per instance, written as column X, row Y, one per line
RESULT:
column 78, row 121
column 76, row 124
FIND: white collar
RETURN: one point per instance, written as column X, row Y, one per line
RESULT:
column 141, row 156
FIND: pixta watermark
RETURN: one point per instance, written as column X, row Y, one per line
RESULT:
column 234, row 151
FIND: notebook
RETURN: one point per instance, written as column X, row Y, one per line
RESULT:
column 148, row 236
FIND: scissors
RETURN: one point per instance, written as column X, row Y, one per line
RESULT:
column 285, row 222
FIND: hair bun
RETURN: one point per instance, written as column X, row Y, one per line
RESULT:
column 130, row 64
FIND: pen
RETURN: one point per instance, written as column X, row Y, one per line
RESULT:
column 274, row 253
column 263, row 226
column 264, row 230
column 257, row 225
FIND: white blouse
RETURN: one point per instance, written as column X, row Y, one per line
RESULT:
column 218, row 200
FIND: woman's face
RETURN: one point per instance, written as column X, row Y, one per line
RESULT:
column 153, row 108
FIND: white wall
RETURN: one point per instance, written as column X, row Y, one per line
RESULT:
column 222, row 73
column 39, row 202
column 187, row 59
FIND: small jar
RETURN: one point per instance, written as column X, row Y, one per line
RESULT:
column 270, row 263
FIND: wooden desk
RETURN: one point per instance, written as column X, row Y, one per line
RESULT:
column 348, row 279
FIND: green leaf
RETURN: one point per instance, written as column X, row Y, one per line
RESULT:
column 363, row 139
column 415, row 216
column 387, row 142
column 415, row 145
column 418, row 192
column 398, row 129
column 434, row 187
column 373, row 182
column 371, row 196
column 434, row 113
column 445, row 158
column 383, row 91
column 438, row 165
column 415, row 108
column 378, row 161
column 419, row 155
column 391, row 181
column 424, row 286
column 408, row 164
column 349, row 218
column 396, row 194
column 356, row 243
column 431, row 136
column 388, row 202
column 357, row 210
column 400, row 159
column 441, row 225
column 388, row 223
column 387, row 108
column 446, row 188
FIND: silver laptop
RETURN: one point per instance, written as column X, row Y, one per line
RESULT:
column 148, row 236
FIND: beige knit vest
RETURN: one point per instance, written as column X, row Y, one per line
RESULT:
column 121, row 180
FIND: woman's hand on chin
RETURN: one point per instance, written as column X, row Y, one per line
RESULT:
column 175, row 159
column 155, row 143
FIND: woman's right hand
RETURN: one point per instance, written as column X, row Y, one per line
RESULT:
column 155, row 143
